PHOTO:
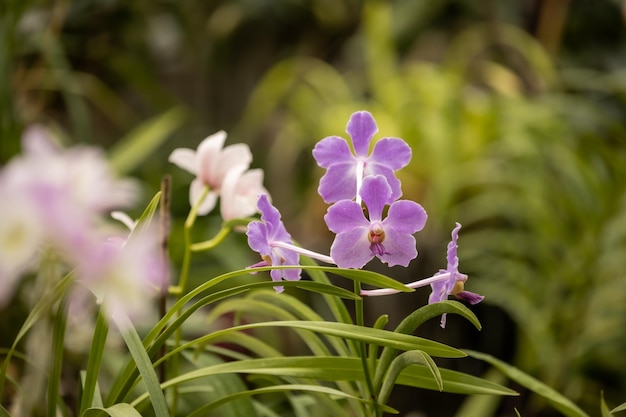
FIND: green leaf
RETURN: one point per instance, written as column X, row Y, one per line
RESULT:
column 117, row 410
column 144, row 365
column 286, row 388
column 453, row 382
column 146, row 217
column 416, row 319
column 558, row 401
column 620, row 407
column 42, row 306
column 358, row 333
column 402, row 361
column 93, row 363
column 135, row 147
column 603, row 408
column 4, row 412
column 56, row 364
column 335, row 368
column 363, row 276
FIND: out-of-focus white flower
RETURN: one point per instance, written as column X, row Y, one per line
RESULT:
column 123, row 279
column 240, row 192
column 210, row 163
column 21, row 235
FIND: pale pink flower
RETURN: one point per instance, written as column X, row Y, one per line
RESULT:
column 210, row 163
column 240, row 192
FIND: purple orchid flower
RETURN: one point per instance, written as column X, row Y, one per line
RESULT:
column 266, row 238
column 346, row 169
column 454, row 285
column 359, row 239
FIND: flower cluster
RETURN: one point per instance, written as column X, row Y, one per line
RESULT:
column 53, row 204
column 221, row 172
column 361, row 187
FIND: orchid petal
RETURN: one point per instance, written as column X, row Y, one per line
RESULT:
column 344, row 216
column 332, row 150
column 376, row 194
column 351, row 249
column 406, row 216
column 361, row 128
column 391, row 152
column 184, row 158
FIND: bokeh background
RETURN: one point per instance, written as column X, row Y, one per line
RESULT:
column 515, row 111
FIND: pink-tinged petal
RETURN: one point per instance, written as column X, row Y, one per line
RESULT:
column 36, row 140
column 339, row 183
column 399, row 248
column 195, row 192
column 234, row 155
column 376, row 194
column 208, row 156
column 240, row 193
column 184, row 158
column 361, row 128
column 352, row 248
column 406, row 216
column 344, row 216
column 331, row 151
column 391, row 152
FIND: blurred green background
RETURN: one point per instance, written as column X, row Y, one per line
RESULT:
column 515, row 111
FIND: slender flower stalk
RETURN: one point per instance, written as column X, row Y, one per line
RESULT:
column 306, row 252
column 416, row 284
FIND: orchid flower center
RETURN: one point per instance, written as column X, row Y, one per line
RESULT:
column 376, row 238
column 459, row 286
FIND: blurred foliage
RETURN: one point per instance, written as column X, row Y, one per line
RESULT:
column 515, row 112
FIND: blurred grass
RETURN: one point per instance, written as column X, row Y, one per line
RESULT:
column 515, row 133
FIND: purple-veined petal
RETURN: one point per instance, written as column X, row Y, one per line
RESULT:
column 470, row 297
column 258, row 238
column 332, row 150
column 338, row 183
column 399, row 248
column 184, row 158
column 452, row 258
column 361, row 128
column 352, row 248
column 344, row 216
column 376, row 194
column 406, row 216
column 394, row 153
column 378, row 169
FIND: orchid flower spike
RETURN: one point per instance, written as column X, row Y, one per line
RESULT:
column 263, row 237
column 346, row 168
column 359, row 239
column 455, row 283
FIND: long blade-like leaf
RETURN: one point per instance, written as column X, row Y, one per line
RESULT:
column 117, row 410
column 401, row 362
column 144, row 365
column 286, row 388
column 558, row 401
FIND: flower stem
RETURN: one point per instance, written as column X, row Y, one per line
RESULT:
column 416, row 284
column 358, row 307
column 182, row 282
column 302, row 251
column 211, row 243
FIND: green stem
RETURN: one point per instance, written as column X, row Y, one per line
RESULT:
column 211, row 243
column 189, row 222
column 358, row 306
column 182, row 282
